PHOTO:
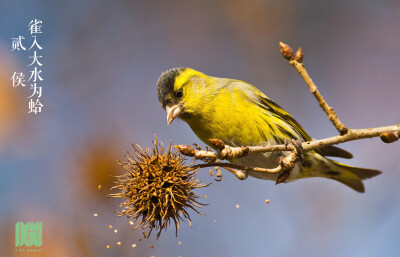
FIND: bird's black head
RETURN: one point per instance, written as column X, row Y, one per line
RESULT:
column 165, row 86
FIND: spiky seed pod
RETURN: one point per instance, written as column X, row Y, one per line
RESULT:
column 157, row 188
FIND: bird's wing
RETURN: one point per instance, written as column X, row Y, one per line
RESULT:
column 277, row 110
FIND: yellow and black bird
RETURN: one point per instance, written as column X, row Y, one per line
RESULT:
column 241, row 115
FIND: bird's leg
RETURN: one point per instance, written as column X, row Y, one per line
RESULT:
column 299, row 148
column 286, row 143
column 286, row 173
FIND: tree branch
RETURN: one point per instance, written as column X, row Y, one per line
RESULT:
column 388, row 134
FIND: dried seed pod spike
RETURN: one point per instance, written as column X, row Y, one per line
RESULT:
column 157, row 188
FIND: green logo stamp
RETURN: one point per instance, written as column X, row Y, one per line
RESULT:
column 29, row 234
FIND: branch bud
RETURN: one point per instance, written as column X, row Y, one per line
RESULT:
column 235, row 152
column 389, row 137
column 282, row 177
column 286, row 51
column 186, row 150
column 299, row 55
column 217, row 143
column 245, row 151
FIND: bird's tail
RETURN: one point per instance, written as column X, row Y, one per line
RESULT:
column 350, row 176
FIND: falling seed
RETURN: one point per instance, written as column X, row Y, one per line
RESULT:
column 133, row 245
column 151, row 246
column 109, row 226
column 205, row 196
column 144, row 233
column 95, row 214
column 108, row 246
column 211, row 173
column 115, row 231
column 118, row 243
column 99, row 187
column 131, row 222
column 140, row 239
column 237, row 206
column 179, row 243
column 267, row 201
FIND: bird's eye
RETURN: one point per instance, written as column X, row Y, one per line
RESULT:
column 179, row 93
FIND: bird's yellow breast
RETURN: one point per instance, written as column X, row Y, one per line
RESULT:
column 231, row 116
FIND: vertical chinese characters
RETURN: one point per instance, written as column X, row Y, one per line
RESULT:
column 35, row 106
column 35, row 65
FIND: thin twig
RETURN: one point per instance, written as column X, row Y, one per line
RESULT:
column 296, row 62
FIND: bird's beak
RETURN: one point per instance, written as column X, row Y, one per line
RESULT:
column 173, row 111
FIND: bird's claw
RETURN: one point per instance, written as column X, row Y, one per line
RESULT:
column 286, row 143
column 299, row 148
column 299, row 152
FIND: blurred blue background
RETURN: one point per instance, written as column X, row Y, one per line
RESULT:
column 101, row 61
